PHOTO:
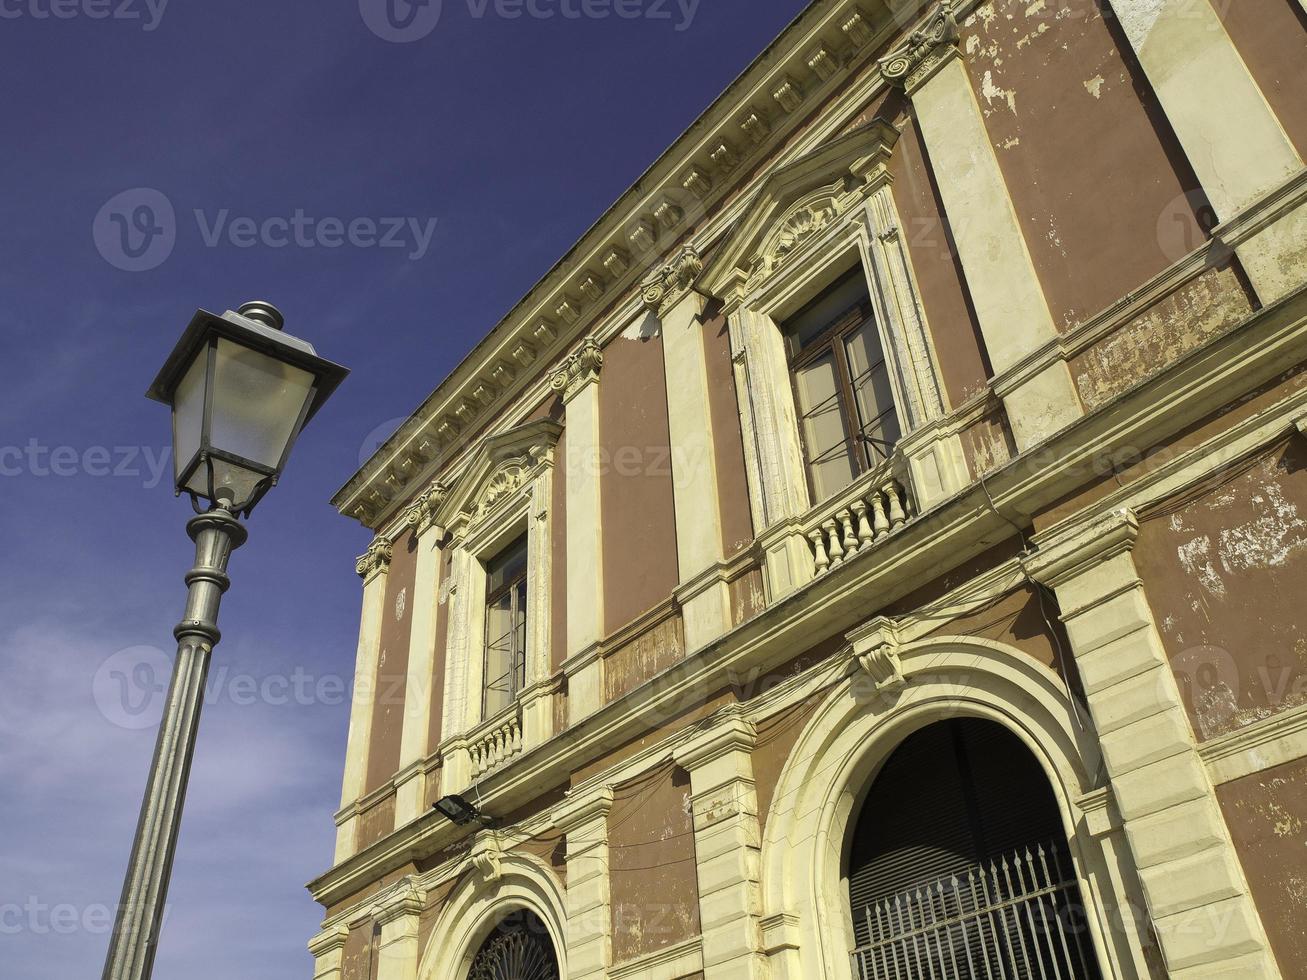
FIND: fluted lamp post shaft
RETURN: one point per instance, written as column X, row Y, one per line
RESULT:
column 145, row 890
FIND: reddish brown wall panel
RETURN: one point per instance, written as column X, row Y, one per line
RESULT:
column 1267, row 816
column 732, row 479
column 1224, row 571
column 639, row 515
column 1271, row 36
column 1093, row 170
column 392, row 664
column 958, row 344
column 655, row 890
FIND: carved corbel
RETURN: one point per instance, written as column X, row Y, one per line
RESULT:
column 926, row 50
column 579, row 370
column 664, row 288
column 876, row 649
column 375, row 559
column 486, row 856
column 422, row 514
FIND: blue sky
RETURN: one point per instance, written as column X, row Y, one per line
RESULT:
column 498, row 139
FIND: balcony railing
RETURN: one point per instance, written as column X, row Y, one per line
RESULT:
column 870, row 510
column 496, row 742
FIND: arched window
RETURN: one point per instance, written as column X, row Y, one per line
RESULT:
column 518, row 948
column 959, row 867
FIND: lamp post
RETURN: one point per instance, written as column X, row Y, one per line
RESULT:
column 240, row 392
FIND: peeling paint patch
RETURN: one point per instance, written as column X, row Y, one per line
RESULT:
column 1138, row 18
column 1269, row 539
column 1196, row 559
column 992, row 92
column 1094, row 86
column 1010, row 142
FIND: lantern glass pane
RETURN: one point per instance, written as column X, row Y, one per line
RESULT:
column 188, row 413
column 257, row 401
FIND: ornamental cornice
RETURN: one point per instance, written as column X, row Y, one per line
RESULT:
column 406, row 900
column 584, row 808
column 732, row 733
column 375, row 560
column 579, row 370
column 758, row 116
column 328, row 940
column 926, row 50
column 664, row 289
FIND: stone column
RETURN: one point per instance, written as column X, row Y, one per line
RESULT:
column 1005, row 291
column 705, row 600
column 584, row 822
column 578, row 380
column 727, row 844
column 397, row 914
column 1229, row 133
column 328, row 949
column 410, row 793
column 372, row 568
column 1204, row 917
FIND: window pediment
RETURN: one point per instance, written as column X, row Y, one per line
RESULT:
column 503, row 465
column 795, row 204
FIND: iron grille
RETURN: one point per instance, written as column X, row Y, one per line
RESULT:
column 1017, row 917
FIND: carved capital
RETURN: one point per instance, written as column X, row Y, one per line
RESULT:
column 406, row 900
column 422, row 514
column 581, row 809
column 1078, row 549
column 664, row 288
column 926, row 49
column 376, row 559
column 579, row 370
column 331, row 940
column 876, row 648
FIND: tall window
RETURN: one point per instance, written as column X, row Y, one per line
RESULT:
column 505, row 666
column 841, row 385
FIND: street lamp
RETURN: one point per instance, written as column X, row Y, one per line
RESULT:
column 241, row 391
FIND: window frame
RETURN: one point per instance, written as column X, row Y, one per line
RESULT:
column 832, row 339
column 518, row 587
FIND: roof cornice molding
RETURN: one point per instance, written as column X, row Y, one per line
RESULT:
column 753, row 121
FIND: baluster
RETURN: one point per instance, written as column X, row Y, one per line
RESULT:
column 819, row 550
column 850, row 536
column 896, row 514
column 833, row 541
column 865, row 533
column 879, row 523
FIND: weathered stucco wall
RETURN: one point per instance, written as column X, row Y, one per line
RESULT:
column 1224, row 568
column 655, row 891
column 649, row 652
column 639, row 514
column 1092, row 169
column 392, row 664
column 1267, row 816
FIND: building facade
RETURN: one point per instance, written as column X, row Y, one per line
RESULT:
column 875, row 549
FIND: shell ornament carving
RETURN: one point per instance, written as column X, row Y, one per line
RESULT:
column 519, row 953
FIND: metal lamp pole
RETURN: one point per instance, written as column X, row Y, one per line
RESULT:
column 145, row 890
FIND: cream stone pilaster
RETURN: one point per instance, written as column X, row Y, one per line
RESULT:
column 410, row 788
column 1005, row 289
column 727, row 844
column 705, row 600
column 583, row 819
column 933, row 451
column 328, row 949
column 1231, row 136
column 578, row 380
column 372, row 568
column 397, row 914
column 1205, row 919
column 465, row 574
